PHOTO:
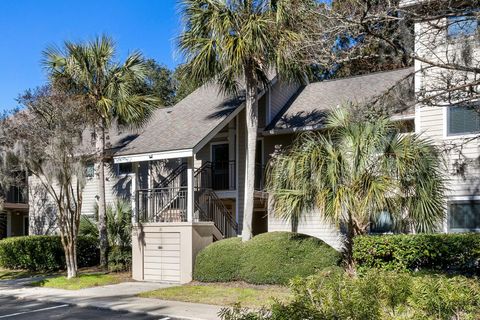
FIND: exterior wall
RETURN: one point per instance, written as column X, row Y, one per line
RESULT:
column 461, row 153
column 116, row 186
column 42, row 208
column 312, row 225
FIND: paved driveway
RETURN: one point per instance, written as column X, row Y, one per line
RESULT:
column 19, row 309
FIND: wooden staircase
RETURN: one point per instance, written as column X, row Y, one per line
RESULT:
column 167, row 202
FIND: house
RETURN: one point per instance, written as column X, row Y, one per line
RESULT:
column 194, row 158
column 185, row 171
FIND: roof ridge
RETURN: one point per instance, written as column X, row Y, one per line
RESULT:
column 361, row 75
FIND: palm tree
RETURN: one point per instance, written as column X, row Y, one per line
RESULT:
column 110, row 91
column 357, row 170
column 237, row 43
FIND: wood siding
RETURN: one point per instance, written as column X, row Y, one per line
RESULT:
column 312, row 225
column 461, row 153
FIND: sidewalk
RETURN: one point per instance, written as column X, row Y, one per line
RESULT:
column 114, row 297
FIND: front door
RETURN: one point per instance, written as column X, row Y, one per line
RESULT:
column 220, row 164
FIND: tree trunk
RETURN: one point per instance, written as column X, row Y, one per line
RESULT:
column 251, row 107
column 71, row 259
column 294, row 224
column 69, row 242
column 350, row 264
column 102, row 215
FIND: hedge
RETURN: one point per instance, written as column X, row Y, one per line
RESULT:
column 44, row 253
column 219, row 262
column 269, row 258
column 451, row 253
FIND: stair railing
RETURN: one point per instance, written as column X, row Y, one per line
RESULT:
column 168, row 201
column 162, row 204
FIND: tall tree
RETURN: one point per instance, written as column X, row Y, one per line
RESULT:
column 354, row 171
column 183, row 84
column 45, row 140
column 239, row 43
column 360, row 53
column 158, row 83
column 109, row 89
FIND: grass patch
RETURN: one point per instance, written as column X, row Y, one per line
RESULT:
column 7, row 274
column 82, row 281
column 222, row 294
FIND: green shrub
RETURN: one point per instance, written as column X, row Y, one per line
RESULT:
column 120, row 259
column 451, row 253
column 277, row 257
column 438, row 297
column 88, row 227
column 375, row 295
column 269, row 258
column 219, row 262
column 44, row 253
column 336, row 295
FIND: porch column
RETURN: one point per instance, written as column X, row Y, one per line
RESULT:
column 9, row 224
column 190, row 189
column 135, row 186
column 231, row 155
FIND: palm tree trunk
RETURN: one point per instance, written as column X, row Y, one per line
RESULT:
column 102, row 216
column 350, row 264
column 251, row 107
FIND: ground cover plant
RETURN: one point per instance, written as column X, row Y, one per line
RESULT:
column 373, row 295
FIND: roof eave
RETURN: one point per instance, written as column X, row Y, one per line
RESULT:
column 151, row 156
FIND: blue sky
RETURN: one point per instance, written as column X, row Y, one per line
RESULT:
column 28, row 26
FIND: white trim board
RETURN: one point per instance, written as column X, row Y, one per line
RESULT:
column 183, row 153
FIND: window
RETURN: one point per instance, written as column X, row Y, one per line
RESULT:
column 464, row 215
column 125, row 168
column 90, row 170
column 463, row 120
column 461, row 26
column 383, row 223
column 405, row 125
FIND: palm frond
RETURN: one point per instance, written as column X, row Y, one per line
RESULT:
column 355, row 170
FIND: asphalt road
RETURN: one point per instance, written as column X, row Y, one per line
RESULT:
column 15, row 309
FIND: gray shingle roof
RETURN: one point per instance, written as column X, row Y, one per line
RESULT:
column 184, row 125
column 308, row 107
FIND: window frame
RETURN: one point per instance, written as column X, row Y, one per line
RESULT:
column 447, row 133
column 92, row 165
column 123, row 174
column 449, row 215
column 454, row 37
